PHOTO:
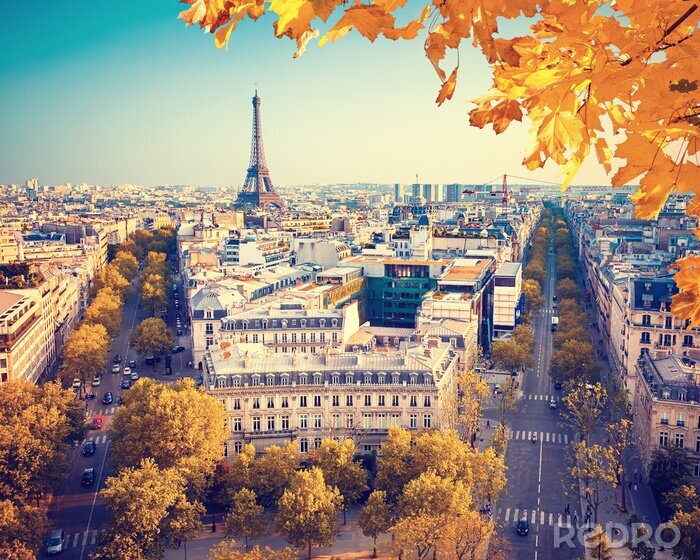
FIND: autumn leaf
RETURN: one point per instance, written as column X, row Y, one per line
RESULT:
column 686, row 304
column 448, row 88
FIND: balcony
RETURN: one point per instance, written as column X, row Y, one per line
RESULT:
column 291, row 434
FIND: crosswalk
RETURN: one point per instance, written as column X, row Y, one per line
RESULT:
column 546, row 437
column 82, row 539
column 98, row 439
column 513, row 515
column 531, row 397
column 105, row 411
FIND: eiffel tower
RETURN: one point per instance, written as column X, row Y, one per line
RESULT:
column 258, row 189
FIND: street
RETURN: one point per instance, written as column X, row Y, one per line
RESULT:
column 78, row 509
column 536, row 470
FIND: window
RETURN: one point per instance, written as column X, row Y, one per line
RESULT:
column 696, row 469
column 270, row 402
column 688, row 340
column 367, row 447
column 237, row 424
column 646, row 320
column 414, row 400
column 349, row 420
column 285, row 402
column 284, row 379
column 426, row 401
column 236, row 404
column 663, row 439
column 225, row 449
column 680, row 440
column 697, row 445
column 669, row 322
column 303, row 337
column 270, row 423
column 335, row 380
column 414, row 379
column 348, row 400
column 294, row 338
column 313, row 337
column 304, row 445
column 238, row 446
column 381, row 421
column 317, row 442
column 209, row 341
column 394, row 400
column 303, row 421
column 426, row 420
column 255, row 338
column 348, row 378
column 322, row 337
column 317, row 421
column 284, row 338
column 334, row 337
column 664, row 417
column 209, row 328
column 395, row 378
column 285, row 422
column 256, row 402
column 256, row 423
column 645, row 338
column 335, row 420
column 317, row 378
column 302, row 379
column 256, row 380
column 269, row 379
column 208, row 314
column 680, row 419
column 367, row 421
column 336, row 400
column 368, row 400
column 317, row 400
column 395, row 419
column 412, row 420
column 302, row 401
column 380, row 399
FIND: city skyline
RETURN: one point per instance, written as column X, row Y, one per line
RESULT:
column 129, row 96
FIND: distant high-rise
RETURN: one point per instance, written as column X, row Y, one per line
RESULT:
column 258, row 189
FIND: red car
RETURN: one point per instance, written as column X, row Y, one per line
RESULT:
column 96, row 422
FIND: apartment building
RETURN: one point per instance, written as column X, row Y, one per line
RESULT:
column 666, row 407
column 508, row 299
column 275, row 398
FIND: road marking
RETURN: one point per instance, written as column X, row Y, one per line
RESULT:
column 507, row 518
column 94, row 537
column 551, row 519
column 76, row 538
column 515, row 515
column 85, row 537
column 541, row 518
column 566, row 439
column 547, row 437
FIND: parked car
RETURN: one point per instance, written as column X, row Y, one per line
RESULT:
column 557, row 385
column 108, row 398
column 117, row 359
column 76, row 383
column 178, row 349
column 150, row 360
column 134, row 376
column 127, row 371
column 116, row 368
column 132, row 364
column 89, row 448
column 96, row 423
column 57, row 542
column 88, row 476
column 552, row 404
column 96, row 381
column 523, row 527
column 126, row 384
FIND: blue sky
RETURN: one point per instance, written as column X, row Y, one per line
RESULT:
column 109, row 92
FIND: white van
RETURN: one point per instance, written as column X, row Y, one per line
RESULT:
column 56, row 542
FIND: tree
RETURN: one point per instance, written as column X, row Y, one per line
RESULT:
column 466, row 537
column 85, row 353
column 575, row 362
column 308, row 510
column 335, row 459
column 37, row 427
column 533, row 295
column 567, row 288
column 152, row 293
column 375, row 518
column 110, row 277
column 175, row 425
column 245, row 518
column 274, row 471
column 522, row 334
column 688, row 524
column 184, row 522
column 584, row 404
column 228, row 550
column 393, row 463
column 670, row 468
column 597, row 542
column 596, row 467
column 642, row 549
column 106, row 310
column 21, row 529
column 499, row 440
column 152, row 337
column 126, row 263
column 507, row 402
column 232, row 476
column 139, row 501
column 509, row 355
column 535, row 271
column 684, row 498
column 472, row 390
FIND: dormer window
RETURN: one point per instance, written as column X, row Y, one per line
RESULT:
column 303, row 378
column 284, row 324
column 317, row 378
column 244, row 325
column 208, row 314
column 395, row 378
column 349, row 378
column 368, row 378
column 381, row 378
column 303, row 323
column 264, row 324
column 284, row 379
column 256, row 380
column 237, row 381
column 269, row 379
column 334, row 323
column 322, row 323
column 335, row 380
column 413, row 379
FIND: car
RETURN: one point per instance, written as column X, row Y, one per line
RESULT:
column 177, row 306
column 134, row 376
column 557, row 385
column 127, row 370
column 88, row 476
column 178, row 349
column 89, row 448
column 150, row 360
column 552, row 404
column 108, row 398
column 126, row 384
column 554, row 305
column 96, row 423
column 116, row 368
column 132, row 364
column 76, row 383
column 554, row 297
column 96, row 381
column 179, row 332
column 57, row 542
column 522, row 528
column 117, row 359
